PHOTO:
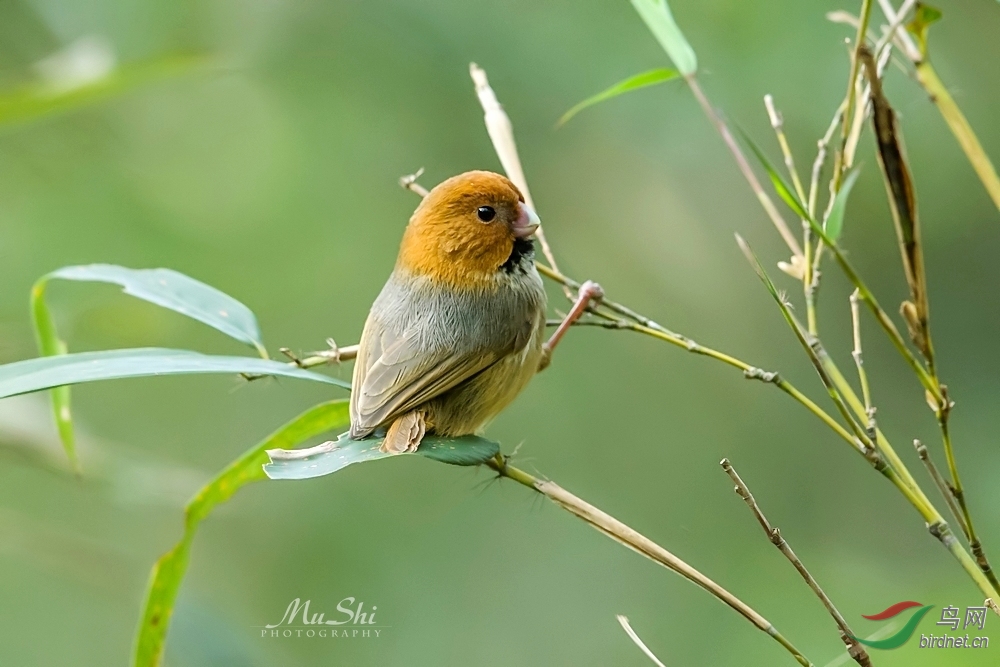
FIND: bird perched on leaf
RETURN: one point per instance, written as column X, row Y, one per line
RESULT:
column 458, row 330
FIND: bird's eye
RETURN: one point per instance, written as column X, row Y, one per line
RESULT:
column 486, row 213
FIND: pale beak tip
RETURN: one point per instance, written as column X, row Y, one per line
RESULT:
column 527, row 222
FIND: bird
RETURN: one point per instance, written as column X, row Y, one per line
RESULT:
column 458, row 329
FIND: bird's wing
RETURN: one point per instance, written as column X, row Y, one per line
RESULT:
column 397, row 373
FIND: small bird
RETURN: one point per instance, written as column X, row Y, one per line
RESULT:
column 458, row 330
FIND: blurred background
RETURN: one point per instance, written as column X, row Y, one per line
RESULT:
column 267, row 167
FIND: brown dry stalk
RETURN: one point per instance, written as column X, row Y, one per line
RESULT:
column 854, row 648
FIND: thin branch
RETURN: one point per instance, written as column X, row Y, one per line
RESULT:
column 942, row 485
column 891, row 33
column 765, row 201
column 623, row 621
column 992, row 605
column 860, row 363
column 859, row 42
column 334, row 355
column 641, row 544
column 814, row 256
column 811, row 345
column 896, row 19
column 409, row 182
column 799, row 267
column 854, row 648
column 778, row 124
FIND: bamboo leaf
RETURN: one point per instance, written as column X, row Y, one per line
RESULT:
column 24, row 377
column 650, row 78
column 902, row 202
column 660, row 21
column 169, row 570
column 163, row 287
column 335, row 455
column 923, row 17
column 177, row 292
column 835, row 221
column 780, row 186
column 49, row 344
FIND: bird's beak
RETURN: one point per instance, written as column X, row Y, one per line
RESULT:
column 527, row 222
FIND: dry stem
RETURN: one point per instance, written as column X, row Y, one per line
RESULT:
column 641, row 544
column 623, row 621
column 942, row 485
column 854, row 648
column 765, row 201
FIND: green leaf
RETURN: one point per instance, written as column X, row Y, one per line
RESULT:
column 780, row 186
column 162, row 287
column 40, row 99
column 923, row 17
column 328, row 458
column 49, row 344
column 835, row 222
column 177, row 292
column 169, row 570
column 650, row 78
column 659, row 20
column 23, row 377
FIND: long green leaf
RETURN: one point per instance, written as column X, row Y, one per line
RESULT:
column 177, row 292
column 650, row 78
column 835, row 222
column 336, row 455
column 780, row 186
column 168, row 572
column 37, row 100
column 163, row 287
column 24, row 377
column 660, row 21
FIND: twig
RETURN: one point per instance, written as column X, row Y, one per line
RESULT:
column 765, row 201
column 891, row 33
column 778, row 124
column 942, row 485
column 992, row 605
column 799, row 267
column 409, row 182
column 811, row 344
column 641, row 544
column 860, row 363
column 859, row 43
column 896, row 18
column 333, row 355
column 854, row 648
column 811, row 277
column 623, row 621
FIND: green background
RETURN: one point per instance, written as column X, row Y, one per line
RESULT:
column 271, row 174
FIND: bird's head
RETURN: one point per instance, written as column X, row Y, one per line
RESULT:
column 467, row 229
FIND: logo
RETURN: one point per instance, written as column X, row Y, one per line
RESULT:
column 974, row 617
column 904, row 633
column 351, row 620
